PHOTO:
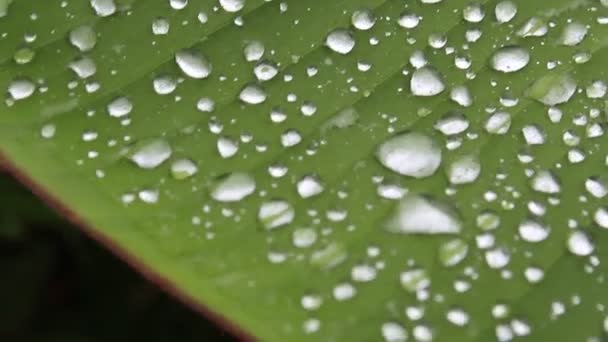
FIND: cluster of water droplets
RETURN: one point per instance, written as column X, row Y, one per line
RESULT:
column 439, row 178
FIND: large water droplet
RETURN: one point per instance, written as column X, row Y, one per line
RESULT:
column 546, row 182
column 580, row 243
column 119, row 107
column 183, row 168
column 193, row 63
column 149, row 154
column 232, row 5
column 340, row 41
column 363, row 19
column 276, row 213
column 252, row 94
column 573, row 34
column 533, row 231
column 416, row 214
column 510, row 59
column 505, row 11
column 21, row 88
column 83, row 38
column 233, row 187
column 426, row 81
column 103, row 8
column 464, row 170
column 410, row 154
column 553, row 89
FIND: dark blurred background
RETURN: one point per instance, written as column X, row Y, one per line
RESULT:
column 58, row 285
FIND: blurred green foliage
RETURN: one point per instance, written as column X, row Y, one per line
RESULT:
column 58, row 285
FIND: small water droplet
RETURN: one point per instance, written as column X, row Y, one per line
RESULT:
column 340, row 41
column 426, row 81
column 149, row 154
column 510, row 59
column 276, row 213
column 193, row 63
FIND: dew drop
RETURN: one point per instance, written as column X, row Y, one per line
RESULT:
column 415, row 214
column 533, row 231
column 580, row 243
column 546, row 182
column 426, row 81
column 510, row 59
column 573, row 34
column 415, row 280
column 276, row 213
column 149, row 154
column 233, row 187
column 232, row 5
column 119, row 107
column 193, row 63
column 340, row 41
column 553, row 89
column 252, row 94
column 453, row 252
column 103, row 8
column 505, row 11
column 363, row 19
column 410, row 154
column 309, row 186
column 83, row 38
column 253, row 51
column 464, row 170
column 183, row 168
column 21, row 88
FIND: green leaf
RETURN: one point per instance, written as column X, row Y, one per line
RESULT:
column 283, row 164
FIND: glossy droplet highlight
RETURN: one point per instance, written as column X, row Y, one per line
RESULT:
column 410, row 154
column 416, row 214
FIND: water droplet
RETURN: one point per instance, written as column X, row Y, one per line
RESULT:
column 462, row 96
column 329, row 256
column 24, row 55
column 160, row 26
column 546, row 182
column 498, row 123
column 178, row 4
column 119, row 107
column 340, row 41
column 227, row 147
column 573, row 34
column 580, row 243
column 601, row 217
column 510, row 59
column 311, row 302
column 48, row 131
column 505, row 11
column 253, row 51
column 473, row 13
column 453, row 252
column 464, row 170
column 83, row 38
column 252, row 94
column 553, row 89
column 344, row 291
column 276, row 213
column 103, row 8
column 164, row 85
column 232, row 5
column 534, row 27
column 304, row 237
column 415, row 214
column 394, row 332
column 149, row 196
column 596, row 90
column 410, row 154
column 193, row 63
column 205, row 105
column 452, row 123
column 363, row 19
column 149, row 154
column 497, row 258
column 21, row 88
column 83, row 67
column 596, row 186
column 533, row 231
column 233, row 187
column 426, row 81
column 409, row 20
column 363, row 273
column 309, row 186
column 533, row 134
column 457, row 317
column 183, row 168
column 265, row 71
